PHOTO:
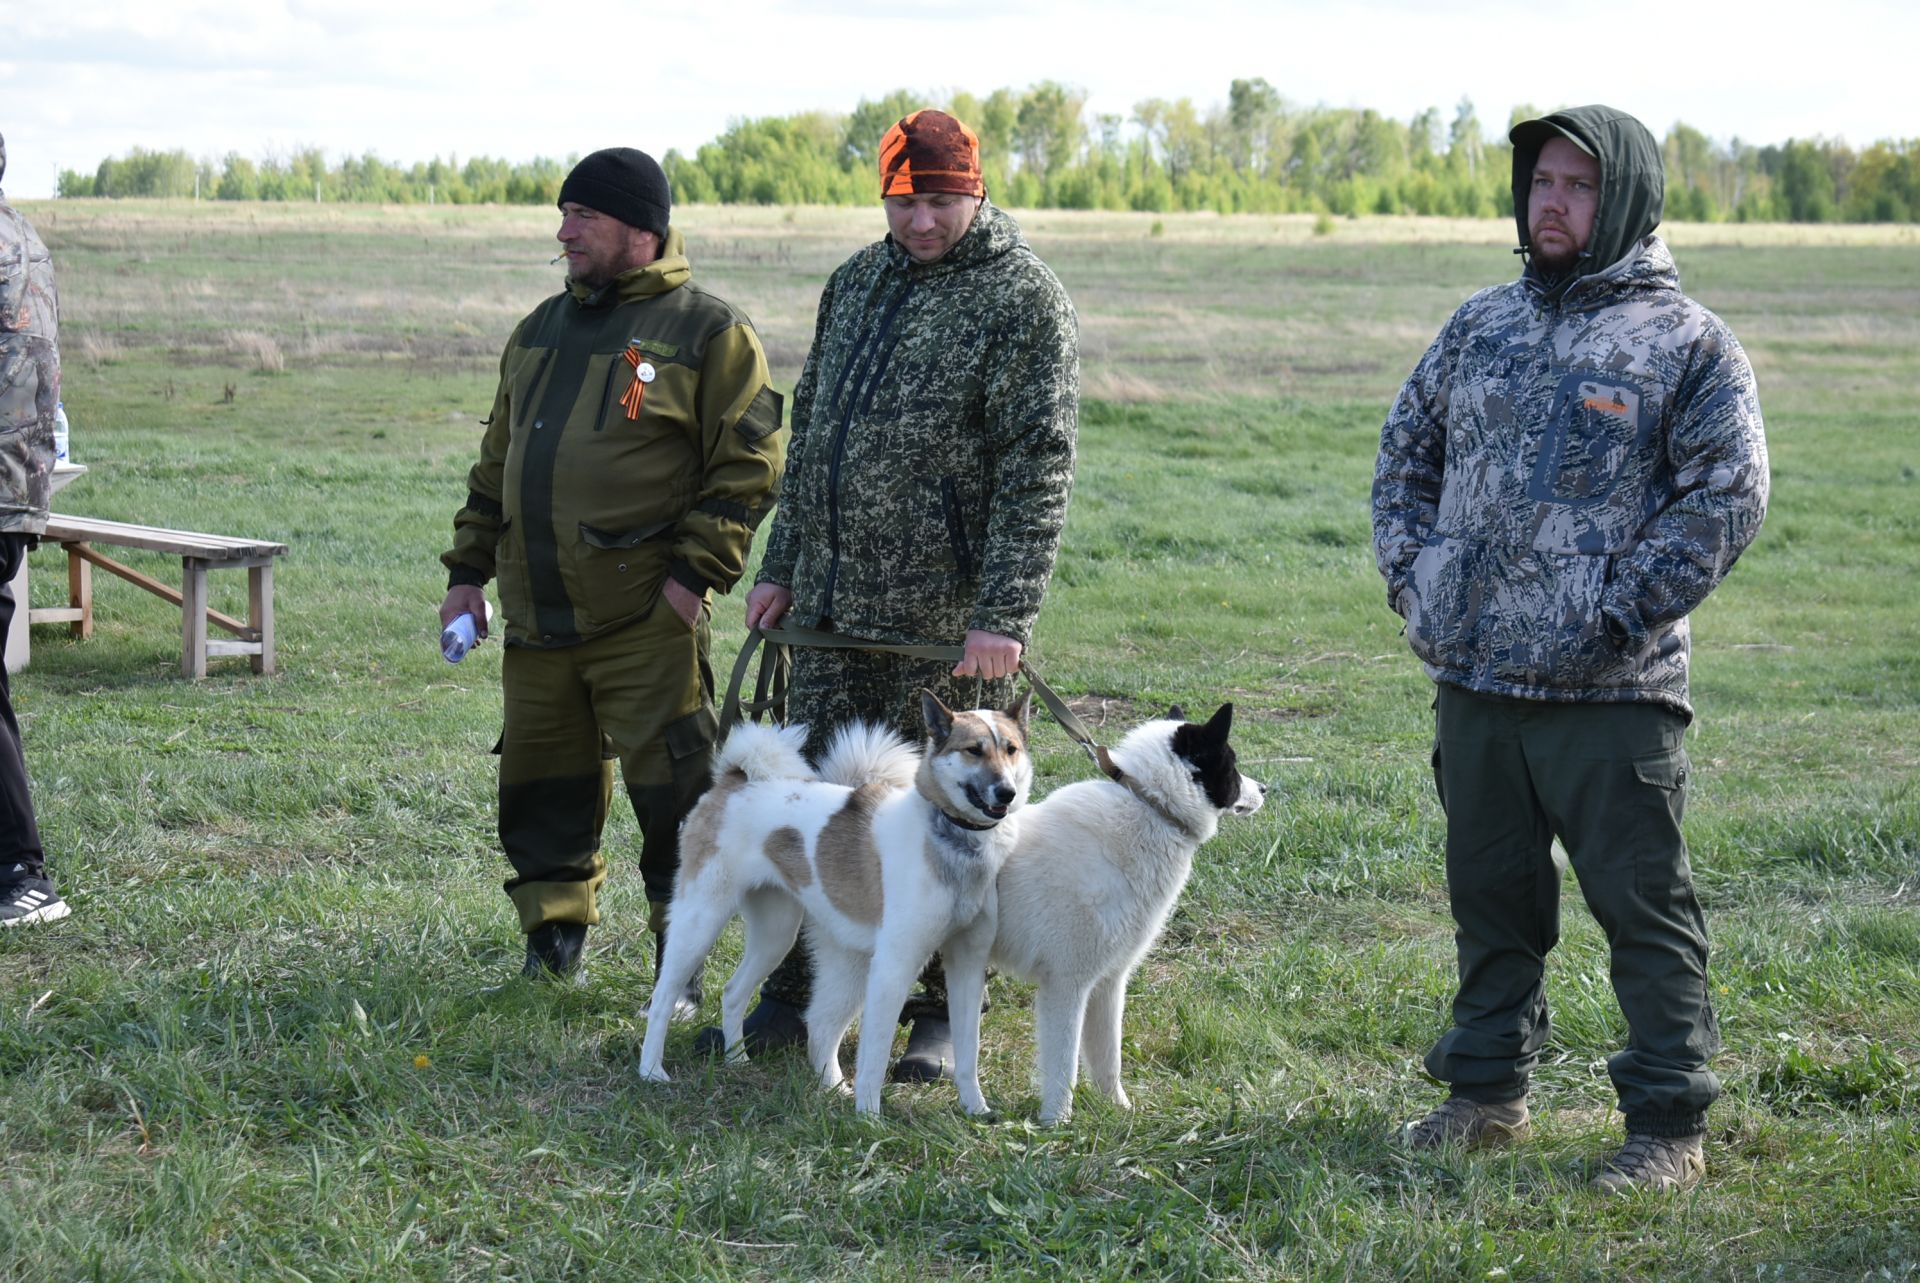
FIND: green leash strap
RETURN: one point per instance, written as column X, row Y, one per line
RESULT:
column 770, row 688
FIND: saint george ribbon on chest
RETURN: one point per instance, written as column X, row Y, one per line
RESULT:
column 636, row 392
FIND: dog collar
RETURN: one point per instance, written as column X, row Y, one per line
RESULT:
column 968, row 825
column 1154, row 804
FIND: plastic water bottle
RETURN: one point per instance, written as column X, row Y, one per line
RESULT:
column 458, row 638
column 60, row 432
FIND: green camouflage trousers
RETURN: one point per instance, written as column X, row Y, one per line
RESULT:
column 642, row 695
column 830, row 688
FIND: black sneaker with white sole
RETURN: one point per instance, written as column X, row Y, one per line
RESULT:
column 27, row 898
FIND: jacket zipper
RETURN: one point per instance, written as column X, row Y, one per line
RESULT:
column 956, row 527
column 851, row 404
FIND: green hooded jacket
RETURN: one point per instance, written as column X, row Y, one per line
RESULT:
column 635, row 435
column 933, row 443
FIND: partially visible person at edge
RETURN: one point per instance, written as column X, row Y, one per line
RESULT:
column 1573, row 466
column 29, row 393
column 932, row 459
column 633, row 448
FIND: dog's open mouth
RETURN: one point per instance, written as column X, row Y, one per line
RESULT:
column 996, row 811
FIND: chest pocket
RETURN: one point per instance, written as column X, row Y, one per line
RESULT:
column 1596, row 426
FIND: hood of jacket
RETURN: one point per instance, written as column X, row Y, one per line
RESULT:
column 1633, row 181
column 670, row 271
column 993, row 234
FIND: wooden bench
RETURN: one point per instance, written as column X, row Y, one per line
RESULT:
column 198, row 554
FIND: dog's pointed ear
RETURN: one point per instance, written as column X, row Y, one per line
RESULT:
column 1220, row 725
column 938, row 717
column 1175, row 713
column 1021, row 710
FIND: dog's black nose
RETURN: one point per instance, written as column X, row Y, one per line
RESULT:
column 1003, row 794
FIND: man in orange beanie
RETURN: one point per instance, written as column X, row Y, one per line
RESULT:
column 926, row 483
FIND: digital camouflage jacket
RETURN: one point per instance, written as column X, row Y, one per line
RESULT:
column 634, row 436
column 933, row 443
column 1569, row 471
column 29, row 373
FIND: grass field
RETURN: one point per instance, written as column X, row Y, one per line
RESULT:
column 263, row 1045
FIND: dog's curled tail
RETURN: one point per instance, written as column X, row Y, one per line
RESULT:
column 862, row 753
column 764, row 753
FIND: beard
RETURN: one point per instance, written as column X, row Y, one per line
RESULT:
column 1551, row 263
column 589, row 276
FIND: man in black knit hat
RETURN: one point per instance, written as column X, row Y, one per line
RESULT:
column 634, row 446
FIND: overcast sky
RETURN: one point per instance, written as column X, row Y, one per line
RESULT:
column 81, row 80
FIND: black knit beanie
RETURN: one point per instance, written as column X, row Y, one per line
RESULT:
column 625, row 183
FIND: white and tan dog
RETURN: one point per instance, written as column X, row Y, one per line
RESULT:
column 888, row 854
column 1092, row 878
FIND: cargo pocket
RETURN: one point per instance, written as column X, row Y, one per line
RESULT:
column 762, row 418
column 690, row 745
column 1660, row 866
column 620, row 571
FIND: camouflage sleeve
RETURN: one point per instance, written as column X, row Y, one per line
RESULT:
column 1033, row 415
column 1412, row 462
column 476, row 526
column 1717, row 451
column 782, row 552
column 743, row 448
column 29, row 373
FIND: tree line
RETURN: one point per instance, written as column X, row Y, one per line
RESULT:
column 1041, row 149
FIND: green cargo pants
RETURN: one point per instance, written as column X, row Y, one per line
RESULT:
column 1610, row 781
column 647, row 690
column 830, row 688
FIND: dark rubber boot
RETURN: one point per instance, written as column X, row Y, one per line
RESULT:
column 554, row 951
column 772, row 1026
column 929, row 1054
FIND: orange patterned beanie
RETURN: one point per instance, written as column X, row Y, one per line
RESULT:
column 930, row 151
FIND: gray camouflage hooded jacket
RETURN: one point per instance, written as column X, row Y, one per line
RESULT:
column 933, row 443
column 1574, row 464
column 29, row 373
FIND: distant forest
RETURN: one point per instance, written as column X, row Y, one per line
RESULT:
column 1257, row 153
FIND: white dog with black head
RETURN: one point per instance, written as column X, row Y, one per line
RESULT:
column 1094, row 874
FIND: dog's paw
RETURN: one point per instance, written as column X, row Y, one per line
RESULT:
column 684, row 1012
column 737, row 1054
column 657, row 1074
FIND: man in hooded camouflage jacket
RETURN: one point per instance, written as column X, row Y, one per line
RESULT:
column 29, row 392
column 633, row 448
column 927, row 481
column 1573, row 466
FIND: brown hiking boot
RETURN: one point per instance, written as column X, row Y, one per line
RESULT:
column 1654, row 1162
column 1469, row 1124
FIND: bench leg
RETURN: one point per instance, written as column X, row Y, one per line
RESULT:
column 80, row 593
column 193, row 618
column 260, row 613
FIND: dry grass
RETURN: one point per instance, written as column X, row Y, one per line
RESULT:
column 262, row 350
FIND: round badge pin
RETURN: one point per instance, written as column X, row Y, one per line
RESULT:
column 644, row 371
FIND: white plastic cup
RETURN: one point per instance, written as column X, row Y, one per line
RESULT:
column 60, row 432
column 458, row 638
